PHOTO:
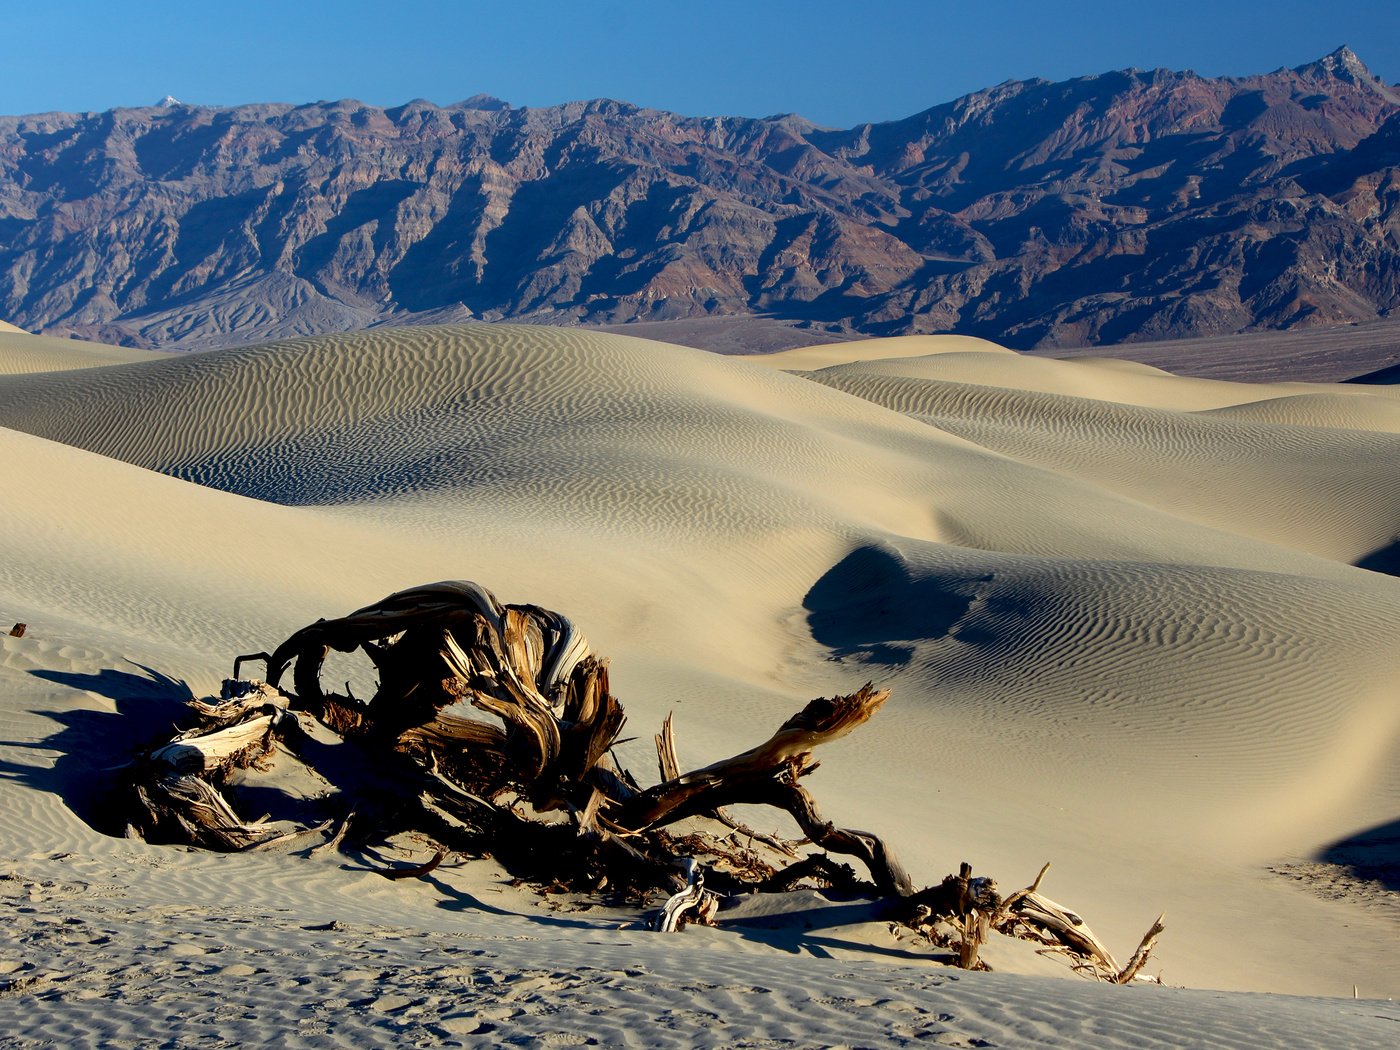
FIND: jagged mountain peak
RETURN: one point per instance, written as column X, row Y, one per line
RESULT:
column 1343, row 63
column 1127, row 205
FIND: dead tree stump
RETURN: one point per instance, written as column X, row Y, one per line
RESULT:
column 534, row 783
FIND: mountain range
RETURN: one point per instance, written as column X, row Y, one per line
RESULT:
column 1113, row 208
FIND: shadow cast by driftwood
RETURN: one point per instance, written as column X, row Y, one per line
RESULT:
column 794, row 929
column 95, row 746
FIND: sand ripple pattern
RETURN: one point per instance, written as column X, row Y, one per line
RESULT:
column 615, row 427
column 1327, row 491
column 79, row 970
column 1104, row 600
column 450, row 428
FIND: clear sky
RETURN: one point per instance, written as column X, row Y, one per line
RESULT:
column 838, row 62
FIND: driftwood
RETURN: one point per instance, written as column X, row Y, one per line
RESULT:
column 1067, row 928
column 537, row 786
column 693, row 897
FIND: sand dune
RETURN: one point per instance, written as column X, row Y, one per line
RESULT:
column 824, row 355
column 1117, row 610
column 22, row 352
column 960, row 359
column 1323, row 410
column 1324, row 490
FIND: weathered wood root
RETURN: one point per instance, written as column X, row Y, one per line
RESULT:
column 484, row 786
column 821, row 869
column 1066, row 927
column 973, row 907
column 177, row 783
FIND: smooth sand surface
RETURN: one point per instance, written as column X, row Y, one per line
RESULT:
column 22, row 352
column 1118, row 611
column 823, row 355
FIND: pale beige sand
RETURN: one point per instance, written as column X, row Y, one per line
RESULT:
column 1114, row 607
column 22, row 352
column 823, row 355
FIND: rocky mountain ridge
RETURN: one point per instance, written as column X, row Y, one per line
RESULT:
column 1126, row 206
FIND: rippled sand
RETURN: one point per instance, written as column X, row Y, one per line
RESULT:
column 1119, row 611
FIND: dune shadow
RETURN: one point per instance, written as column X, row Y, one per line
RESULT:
column 1387, row 376
column 1383, row 559
column 1373, row 855
column 870, row 606
column 93, row 746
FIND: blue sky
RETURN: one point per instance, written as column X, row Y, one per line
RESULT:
column 838, row 63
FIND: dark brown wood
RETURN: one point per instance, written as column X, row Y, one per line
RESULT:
column 449, row 652
column 418, row 871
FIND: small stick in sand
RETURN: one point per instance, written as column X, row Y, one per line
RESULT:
column 333, row 843
column 419, row 871
column 1139, row 959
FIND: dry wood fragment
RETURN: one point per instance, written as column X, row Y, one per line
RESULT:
column 1144, row 949
column 588, row 819
column 666, row 759
column 1067, row 927
column 290, row 837
column 17, row 631
column 771, row 841
column 1008, row 905
column 418, row 871
column 333, row 843
column 672, row 914
column 976, row 925
column 977, row 902
column 236, row 745
column 769, row 774
column 819, row 867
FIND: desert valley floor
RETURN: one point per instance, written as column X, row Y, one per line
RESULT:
column 1135, row 624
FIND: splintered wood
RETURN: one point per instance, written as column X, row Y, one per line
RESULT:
column 535, row 783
